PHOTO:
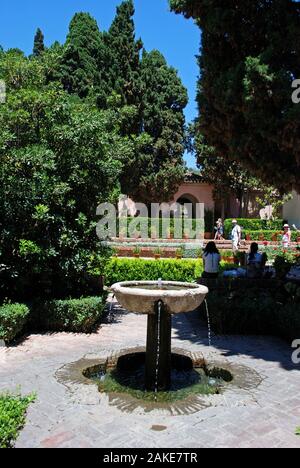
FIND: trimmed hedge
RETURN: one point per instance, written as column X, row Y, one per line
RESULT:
column 159, row 223
column 254, row 225
column 13, row 318
column 131, row 269
column 254, row 311
column 118, row 270
column 12, row 417
column 73, row 315
column 268, row 235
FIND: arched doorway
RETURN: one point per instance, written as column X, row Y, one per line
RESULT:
column 188, row 199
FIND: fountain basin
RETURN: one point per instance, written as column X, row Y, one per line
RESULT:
column 141, row 297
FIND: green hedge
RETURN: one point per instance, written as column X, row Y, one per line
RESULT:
column 268, row 235
column 74, row 315
column 254, row 225
column 131, row 269
column 13, row 318
column 158, row 223
column 151, row 270
column 254, row 311
column 12, row 417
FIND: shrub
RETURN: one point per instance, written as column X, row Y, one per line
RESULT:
column 129, row 269
column 267, row 235
column 13, row 318
column 12, row 417
column 74, row 315
column 254, row 225
column 254, row 311
column 151, row 270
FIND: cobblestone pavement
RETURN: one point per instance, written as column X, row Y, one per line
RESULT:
column 265, row 416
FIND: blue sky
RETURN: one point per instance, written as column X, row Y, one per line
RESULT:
column 177, row 38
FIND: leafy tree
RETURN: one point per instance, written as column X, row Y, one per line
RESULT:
column 59, row 159
column 249, row 57
column 38, row 46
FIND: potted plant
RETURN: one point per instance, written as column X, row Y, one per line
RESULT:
column 136, row 252
column 275, row 237
column 157, row 253
column 170, row 233
column 179, row 254
column 261, row 237
column 153, row 233
column 186, row 234
column 122, row 234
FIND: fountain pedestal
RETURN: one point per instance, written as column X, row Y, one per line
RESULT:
column 159, row 300
column 158, row 351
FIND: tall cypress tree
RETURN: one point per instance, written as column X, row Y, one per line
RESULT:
column 123, row 74
column 80, row 72
column 163, row 103
column 38, row 46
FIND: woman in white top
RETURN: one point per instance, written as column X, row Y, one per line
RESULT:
column 211, row 261
column 287, row 236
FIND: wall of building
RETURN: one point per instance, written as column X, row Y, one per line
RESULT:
column 200, row 193
column 291, row 210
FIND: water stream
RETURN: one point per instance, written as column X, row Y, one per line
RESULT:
column 208, row 323
column 158, row 348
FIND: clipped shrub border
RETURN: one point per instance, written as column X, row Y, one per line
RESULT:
column 12, row 417
column 73, row 315
column 254, row 225
column 13, row 318
column 131, row 269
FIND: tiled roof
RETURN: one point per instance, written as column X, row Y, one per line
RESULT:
column 193, row 178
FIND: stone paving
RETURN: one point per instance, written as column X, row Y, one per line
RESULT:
column 265, row 416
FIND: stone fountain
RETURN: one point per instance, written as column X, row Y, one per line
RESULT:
column 159, row 300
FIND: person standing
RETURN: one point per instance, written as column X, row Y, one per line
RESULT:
column 219, row 228
column 236, row 235
column 287, row 236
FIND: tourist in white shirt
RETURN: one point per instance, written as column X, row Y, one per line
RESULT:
column 211, row 261
column 236, row 235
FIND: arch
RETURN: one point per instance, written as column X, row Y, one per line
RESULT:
column 188, row 198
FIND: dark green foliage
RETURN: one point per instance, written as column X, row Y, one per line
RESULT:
column 56, row 167
column 12, row 417
column 13, row 318
column 151, row 270
column 164, row 99
column 268, row 235
column 249, row 57
column 38, row 46
column 255, row 224
column 123, row 71
column 74, row 315
column 63, row 153
column 82, row 60
column 254, row 311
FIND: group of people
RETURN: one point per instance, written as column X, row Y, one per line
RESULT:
column 236, row 234
column 256, row 261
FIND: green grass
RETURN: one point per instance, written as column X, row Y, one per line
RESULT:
column 12, row 417
column 297, row 432
column 197, row 383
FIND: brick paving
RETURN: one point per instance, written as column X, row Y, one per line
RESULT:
column 265, row 416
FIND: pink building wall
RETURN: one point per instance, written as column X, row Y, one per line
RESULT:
column 199, row 193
